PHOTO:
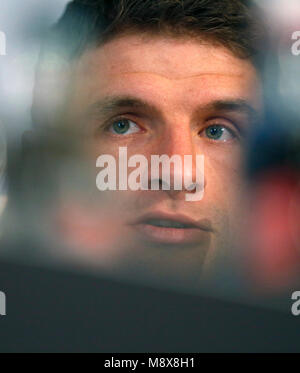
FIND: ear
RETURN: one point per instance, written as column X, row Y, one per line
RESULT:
column 274, row 229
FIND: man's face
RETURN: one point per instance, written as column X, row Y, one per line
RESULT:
column 157, row 95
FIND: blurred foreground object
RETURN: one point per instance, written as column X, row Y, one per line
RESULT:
column 273, row 232
column 3, row 160
column 50, row 310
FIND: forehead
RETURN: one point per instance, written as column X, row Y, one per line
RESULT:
column 148, row 65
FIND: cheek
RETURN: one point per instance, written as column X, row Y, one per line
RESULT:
column 223, row 165
column 225, row 157
column 224, row 181
column 107, row 144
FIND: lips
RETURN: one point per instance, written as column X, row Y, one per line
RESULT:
column 165, row 223
column 176, row 229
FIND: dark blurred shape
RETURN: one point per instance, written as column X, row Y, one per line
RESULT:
column 57, row 311
column 34, row 173
column 275, row 144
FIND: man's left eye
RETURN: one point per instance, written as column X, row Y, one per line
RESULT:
column 123, row 127
column 218, row 133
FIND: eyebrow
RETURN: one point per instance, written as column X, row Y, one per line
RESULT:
column 239, row 106
column 111, row 104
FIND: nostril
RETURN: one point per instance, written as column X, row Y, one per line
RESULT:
column 191, row 187
column 157, row 184
column 160, row 183
column 165, row 184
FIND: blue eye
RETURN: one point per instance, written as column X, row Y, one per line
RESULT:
column 124, row 127
column 218, row 133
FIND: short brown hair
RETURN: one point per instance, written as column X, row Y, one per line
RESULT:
column 234, row 24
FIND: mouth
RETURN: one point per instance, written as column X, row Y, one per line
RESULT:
column 173, row 229
column 165, row 223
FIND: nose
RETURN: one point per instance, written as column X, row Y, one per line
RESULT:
column 176, row 164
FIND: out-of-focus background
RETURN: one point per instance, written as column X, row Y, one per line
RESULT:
column 61, row 309
column 24, row 24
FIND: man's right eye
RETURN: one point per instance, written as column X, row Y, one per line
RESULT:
column 123, row 127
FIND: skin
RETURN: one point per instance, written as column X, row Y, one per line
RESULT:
column 180, row 79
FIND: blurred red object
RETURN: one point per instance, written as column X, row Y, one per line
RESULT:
column 274, row 230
